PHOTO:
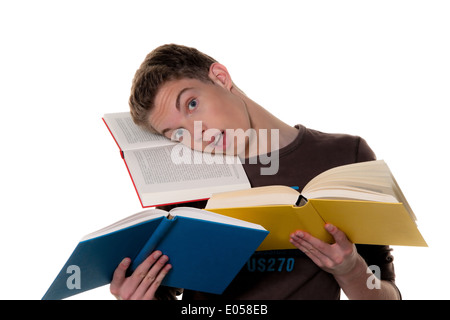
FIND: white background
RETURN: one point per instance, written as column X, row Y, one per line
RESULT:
column 378, row 69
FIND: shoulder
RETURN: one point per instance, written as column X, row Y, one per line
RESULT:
column 345, row 147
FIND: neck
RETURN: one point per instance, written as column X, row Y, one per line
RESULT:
column 268, row 127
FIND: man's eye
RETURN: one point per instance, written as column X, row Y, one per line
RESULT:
column 192, row 104
column 177, row 135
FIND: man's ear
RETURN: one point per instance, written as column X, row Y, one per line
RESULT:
column 218, row 73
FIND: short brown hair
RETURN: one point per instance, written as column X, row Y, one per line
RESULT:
column 163, row 64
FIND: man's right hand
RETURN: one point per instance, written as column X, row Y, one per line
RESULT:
column 144, row 281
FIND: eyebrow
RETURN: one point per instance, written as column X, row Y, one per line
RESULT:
column 177, row 106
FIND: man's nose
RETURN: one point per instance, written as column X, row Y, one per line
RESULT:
column 198, row 128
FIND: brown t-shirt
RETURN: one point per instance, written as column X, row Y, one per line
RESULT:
column 290, row 274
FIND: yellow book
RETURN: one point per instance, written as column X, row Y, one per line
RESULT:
column 364, row 201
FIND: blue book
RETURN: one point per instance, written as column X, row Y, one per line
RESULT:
column 206, row 250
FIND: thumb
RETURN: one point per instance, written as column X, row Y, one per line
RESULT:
column 339, row 236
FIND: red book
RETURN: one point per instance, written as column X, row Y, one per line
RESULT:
column 165, row 172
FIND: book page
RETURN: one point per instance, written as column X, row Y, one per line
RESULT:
column 129, row 136
column 260, row 196
column 127, row 222
column 371, row 180
column 159, row 179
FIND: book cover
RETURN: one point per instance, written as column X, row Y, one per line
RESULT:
column 364, row 222
column 205, row 254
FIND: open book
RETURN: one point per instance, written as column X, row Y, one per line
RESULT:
column 166, row 172
column 361, row 199
column 206, row 250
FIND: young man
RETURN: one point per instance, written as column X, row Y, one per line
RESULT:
column 184, row 94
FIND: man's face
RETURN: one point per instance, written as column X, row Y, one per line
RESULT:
column 198, row 114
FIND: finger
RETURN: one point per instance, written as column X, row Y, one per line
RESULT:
column 150, row 277
column 141, row 271
column 132, row 282
column 150, row 294
column 119, row 277
column 311, row 242
column 305, row 250
column 305, row 242
column 339, row 236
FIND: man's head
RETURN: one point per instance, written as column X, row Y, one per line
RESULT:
column 186, row 95
column 163, row 64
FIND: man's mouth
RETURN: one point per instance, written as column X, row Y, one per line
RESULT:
column 219, row 140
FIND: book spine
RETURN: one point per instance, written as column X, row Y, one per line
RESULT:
column 152, row 242
column 301, row 201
